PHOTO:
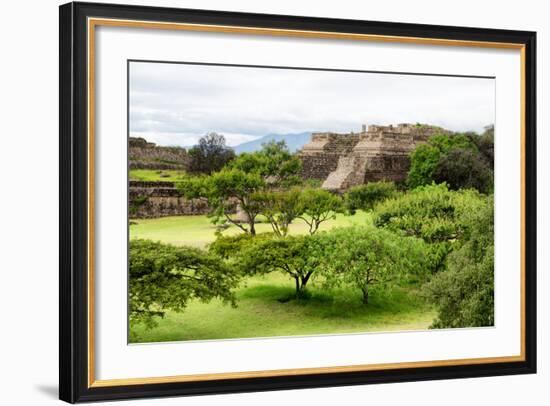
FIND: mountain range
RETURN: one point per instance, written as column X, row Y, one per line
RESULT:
column 293, row 141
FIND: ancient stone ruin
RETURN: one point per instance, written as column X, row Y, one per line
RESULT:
column 147, row 155
column 160, row 199
column 341, row 161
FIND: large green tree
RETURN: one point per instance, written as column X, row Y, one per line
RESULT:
column 460, row 160
column 227, row 191
column 163, row 277
column 241, row 185
column 425, row 157
column 296, row 256
column 370, row 258
column 433, row 213
column 464, row 293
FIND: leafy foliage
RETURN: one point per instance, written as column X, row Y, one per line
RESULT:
column 464, row 293
column 210, row 155
column 280, row 208
column 274, row 162
column 370, row 258
column 461, row 161
column 433, row 213
column 226, row 191
column 243, row 183
column 318, row 206
column 164, row 277
column 364, row 197
column 464, row 168
column 426, row 157
column 297, row 256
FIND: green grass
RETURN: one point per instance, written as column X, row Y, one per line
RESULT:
column 197, row 231
column 154, row 175
column 261, row 313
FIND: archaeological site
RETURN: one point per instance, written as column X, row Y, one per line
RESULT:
column 338, row 160
column 341, row 161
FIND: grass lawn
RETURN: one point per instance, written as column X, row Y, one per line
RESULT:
column 260, row 313
column 197, row 231
column 154, row 175
column 261, row 309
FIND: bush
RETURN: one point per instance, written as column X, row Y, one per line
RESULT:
column 164, row 277
column 364, row 197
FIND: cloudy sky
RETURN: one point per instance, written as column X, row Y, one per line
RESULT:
column 175, row 104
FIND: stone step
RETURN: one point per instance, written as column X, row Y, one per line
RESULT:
column 349, row 172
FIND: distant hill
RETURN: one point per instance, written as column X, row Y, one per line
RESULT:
column 293, row 141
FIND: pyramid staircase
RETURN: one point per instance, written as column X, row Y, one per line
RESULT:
column 349, row 172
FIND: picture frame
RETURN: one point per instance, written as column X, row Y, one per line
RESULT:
column 78, row 381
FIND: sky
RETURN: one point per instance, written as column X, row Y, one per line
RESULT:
column 176, row 104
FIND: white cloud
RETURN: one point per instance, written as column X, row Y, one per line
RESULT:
column 175, row 104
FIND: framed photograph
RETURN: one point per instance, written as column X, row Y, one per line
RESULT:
column 258, row 202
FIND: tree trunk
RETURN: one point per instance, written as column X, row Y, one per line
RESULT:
column 365, row 291
column 252, row 227
column 297, row 280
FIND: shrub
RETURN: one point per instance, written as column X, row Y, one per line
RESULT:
column 364, row 197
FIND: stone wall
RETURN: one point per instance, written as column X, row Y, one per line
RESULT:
column 161, row 199
column 147, row 155
column 374, row 154
column 320, row 156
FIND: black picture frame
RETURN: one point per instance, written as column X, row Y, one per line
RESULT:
column 74, row 384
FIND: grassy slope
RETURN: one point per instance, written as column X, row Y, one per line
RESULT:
column 152, row 175
column 259, row 312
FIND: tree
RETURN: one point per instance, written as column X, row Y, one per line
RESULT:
column 241, row 184
column 318, row 206
column 274, row 162
column 364, row 197
column 464, row 168
column 280, row 208
column 210, row 155
column 164, row 277
column 464, row 293
column 425, row 157
column 226, row 191
column 297, row 256
column 370, row 258
column 433, row 213
column 486, row 145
